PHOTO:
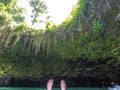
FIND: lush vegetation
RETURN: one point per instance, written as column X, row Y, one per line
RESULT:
column 86, row 44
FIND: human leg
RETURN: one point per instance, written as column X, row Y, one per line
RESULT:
column 50, row 84
column 63, row 85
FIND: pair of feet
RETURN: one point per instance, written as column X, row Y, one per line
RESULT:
column 50, row 85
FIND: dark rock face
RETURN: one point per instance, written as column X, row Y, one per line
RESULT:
column 28, row 82
column 70, row 82
column 86, row 81
column 4, row 81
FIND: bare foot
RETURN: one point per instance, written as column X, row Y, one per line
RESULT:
column 63, row 85
column 50, row 84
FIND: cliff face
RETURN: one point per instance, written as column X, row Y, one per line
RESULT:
column 98, row 45
column 87, row 49
column 107, row 11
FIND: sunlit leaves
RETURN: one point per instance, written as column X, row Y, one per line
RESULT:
column 2, row 7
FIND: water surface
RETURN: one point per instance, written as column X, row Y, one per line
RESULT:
column 81, row 88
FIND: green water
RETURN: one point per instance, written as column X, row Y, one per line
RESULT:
column 11, row 88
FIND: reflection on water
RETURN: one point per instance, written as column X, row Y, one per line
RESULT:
column 114, row 87
column 81, row 88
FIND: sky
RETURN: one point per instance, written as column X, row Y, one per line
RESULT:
column 57, row 9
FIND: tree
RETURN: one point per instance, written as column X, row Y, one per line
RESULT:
column 39, row 7
column 10, row 12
